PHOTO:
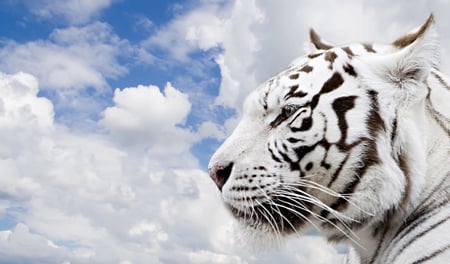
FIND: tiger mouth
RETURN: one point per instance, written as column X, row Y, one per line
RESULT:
column 277, row 215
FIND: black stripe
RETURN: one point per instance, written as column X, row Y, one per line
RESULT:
column 306, row 125
column 440, row 119
column 375, row 123
column 417, row 218
column 314, row 55
column 403, row 165
column 377, row 251
column 369, row 47
column 394, row 130
column 430, row 228
column 422, row 213
column 446, row 85
column 283, row 155
column 348, row 68
column 432, row 255
column 332, row 83
column 348, row 51
column 306, row 68
column 341, row 106
column 292, row 92
column 330, row 56
column 275, row 158
column 338, row 171
column 294, row 76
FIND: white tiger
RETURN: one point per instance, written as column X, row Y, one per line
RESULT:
column 354, row 141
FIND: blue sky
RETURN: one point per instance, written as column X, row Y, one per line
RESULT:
column 110, row 110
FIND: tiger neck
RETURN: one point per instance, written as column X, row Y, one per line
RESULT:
column 425, row 189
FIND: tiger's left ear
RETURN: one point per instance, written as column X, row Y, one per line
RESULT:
column 317, row 43
column 417, row 53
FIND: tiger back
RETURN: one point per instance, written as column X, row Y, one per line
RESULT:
column 351, row 140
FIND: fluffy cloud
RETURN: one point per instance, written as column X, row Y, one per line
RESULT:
column 73, row 58
column 145, row 119
column 71, row 11
column 67, row 194
column 200, row 28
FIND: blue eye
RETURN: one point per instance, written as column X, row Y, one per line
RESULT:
column 289, row 110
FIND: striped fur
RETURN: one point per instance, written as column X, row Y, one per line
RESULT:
column 353, row 141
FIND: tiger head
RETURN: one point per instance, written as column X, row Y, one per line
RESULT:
column 325, row 143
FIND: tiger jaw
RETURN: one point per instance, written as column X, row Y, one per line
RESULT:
column 275, row 203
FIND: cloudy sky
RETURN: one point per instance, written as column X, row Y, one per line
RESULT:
column 110, row 109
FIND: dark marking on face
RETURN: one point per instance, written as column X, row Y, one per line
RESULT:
column 314, row 55
column 306, row 125
column 294, row 140
column 348, row 51
column 306, row 68
column 374, row 123
column 275, row 158
column 292, row 92
column 341, row 106
column 309, row 166
column 368, row 47
column 348, row 68
column 332, row 83
column 337, row 171
column 325, row 165
column 293, row 76
column 330, row 56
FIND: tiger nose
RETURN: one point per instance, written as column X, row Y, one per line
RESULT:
column 220, row 173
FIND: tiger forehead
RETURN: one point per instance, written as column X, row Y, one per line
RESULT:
column 301, row 78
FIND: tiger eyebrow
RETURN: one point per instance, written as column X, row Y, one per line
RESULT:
column 292, row 92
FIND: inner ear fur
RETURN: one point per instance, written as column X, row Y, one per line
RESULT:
column 417, row 53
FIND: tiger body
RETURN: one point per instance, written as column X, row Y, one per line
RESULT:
column 351, row 140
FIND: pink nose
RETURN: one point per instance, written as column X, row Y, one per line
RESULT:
column 220, row 173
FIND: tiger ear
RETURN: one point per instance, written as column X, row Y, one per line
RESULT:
column 317, row 43
column 417, row 53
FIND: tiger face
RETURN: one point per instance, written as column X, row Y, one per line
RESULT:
column 318, row 144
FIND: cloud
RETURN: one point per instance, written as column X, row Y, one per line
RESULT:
column 199, row 28
column 71, row 11
column 13, row 243
column 69, row 186
column 144, row 118
column 73, row 58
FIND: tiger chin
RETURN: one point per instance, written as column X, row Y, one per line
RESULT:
column 353, row 141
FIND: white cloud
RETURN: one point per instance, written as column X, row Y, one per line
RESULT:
column 70, row 186
column 71, row 11
column 200, row 28
column 39, row 249
column 145, row 119
column 74, row 58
